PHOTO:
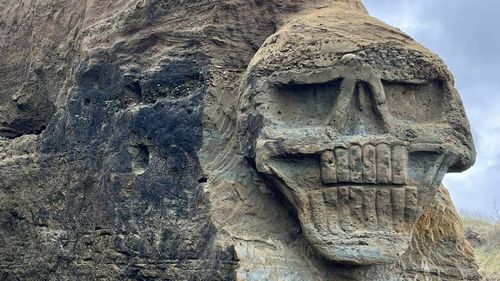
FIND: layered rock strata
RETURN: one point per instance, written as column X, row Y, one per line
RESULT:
column 121, row 155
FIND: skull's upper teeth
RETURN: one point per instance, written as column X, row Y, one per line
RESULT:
column 368, row 164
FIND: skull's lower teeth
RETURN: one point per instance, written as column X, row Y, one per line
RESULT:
column 368, row 164
column 346, row 209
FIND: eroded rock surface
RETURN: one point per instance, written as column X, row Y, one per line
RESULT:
column 129, row 144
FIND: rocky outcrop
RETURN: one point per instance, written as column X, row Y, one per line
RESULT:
column 120, row 157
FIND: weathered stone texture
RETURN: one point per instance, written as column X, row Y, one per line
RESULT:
column 120, row 154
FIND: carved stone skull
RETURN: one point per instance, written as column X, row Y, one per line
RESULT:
column 355, row 124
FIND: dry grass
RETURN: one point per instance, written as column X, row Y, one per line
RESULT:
column 488, row 253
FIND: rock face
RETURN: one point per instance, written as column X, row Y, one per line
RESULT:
column 355, row 130
column 224, row 140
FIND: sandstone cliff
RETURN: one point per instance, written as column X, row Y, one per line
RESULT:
column 119, row 156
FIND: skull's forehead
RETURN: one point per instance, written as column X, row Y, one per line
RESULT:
column 322, row 38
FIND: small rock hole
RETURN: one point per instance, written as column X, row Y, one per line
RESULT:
column 140, row 162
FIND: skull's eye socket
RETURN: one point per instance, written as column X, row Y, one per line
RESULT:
column 303, row 104
column 421, row 103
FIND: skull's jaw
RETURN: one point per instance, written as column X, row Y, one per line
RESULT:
column 359, row 218
column 360, row 224
column 363, row 248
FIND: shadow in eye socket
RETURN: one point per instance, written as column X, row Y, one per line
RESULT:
column 420, row 103
column 303, row 104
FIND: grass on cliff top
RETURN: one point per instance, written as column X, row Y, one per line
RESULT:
column 488, row 253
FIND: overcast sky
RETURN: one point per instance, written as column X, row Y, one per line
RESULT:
column 466, row 35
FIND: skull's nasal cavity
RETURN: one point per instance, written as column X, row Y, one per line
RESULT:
column 363, row 115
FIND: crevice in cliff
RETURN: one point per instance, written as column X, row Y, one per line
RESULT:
column 21, row 127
